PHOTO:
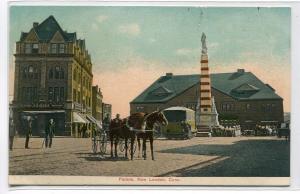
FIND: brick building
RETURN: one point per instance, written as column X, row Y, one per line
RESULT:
column 238, row 95
column 53, row 79
column 97, row 103
column 106, row 110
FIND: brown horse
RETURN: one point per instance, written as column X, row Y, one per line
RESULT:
column 117, row 130
column 138, row 125
column 150, row 120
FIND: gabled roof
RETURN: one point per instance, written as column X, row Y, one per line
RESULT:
column 46, row 30
column 226, row 83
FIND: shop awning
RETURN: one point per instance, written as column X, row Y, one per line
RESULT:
column 79, row 118
column 44, row 111
column 93, row 120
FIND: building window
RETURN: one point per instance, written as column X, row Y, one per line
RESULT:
column 35, row 48
column 53, row 48
column 74, row 95
column 51, row 73
column 35, row 96
column 78, row 97
column 139, row 108
column 61, row 48
column 62, row 94
column 30, row 71
column 227, row 106
column 36, row 74
column 56, row 94
column 24, row 72
column 62, row 74
column 56, row 73
column 248, row 107
column 50, row 94
column 27, row 48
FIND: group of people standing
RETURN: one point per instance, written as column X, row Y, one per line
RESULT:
column 49, row 132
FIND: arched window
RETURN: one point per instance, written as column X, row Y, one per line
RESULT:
column 24, row 72
column 51, row 73
column 36, row 74
column 62, row 74
column 30, row 71
column 56, row 73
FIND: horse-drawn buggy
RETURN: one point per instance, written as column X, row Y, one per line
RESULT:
column 125, row 134
column 99, row 139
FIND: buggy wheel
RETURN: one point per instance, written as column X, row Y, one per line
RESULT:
column 134, row 148
column 103, row 143
column 122, row 145
column 94, row 145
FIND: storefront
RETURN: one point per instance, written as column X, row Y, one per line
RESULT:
column 40, row 120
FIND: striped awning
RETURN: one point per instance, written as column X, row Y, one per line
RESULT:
column 93, row 120
column 79, row 118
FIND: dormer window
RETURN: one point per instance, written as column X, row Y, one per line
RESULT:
column 61, row 48
column 161, row 91
column 27, row 48
column 35, row 48
column 54, row 48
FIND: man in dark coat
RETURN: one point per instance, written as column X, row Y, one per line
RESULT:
column 49, row 133
column 28, row 129
column 117, row 120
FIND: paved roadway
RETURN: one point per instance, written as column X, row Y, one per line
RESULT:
column 216, row 156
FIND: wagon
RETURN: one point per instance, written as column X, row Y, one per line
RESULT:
column 99, row 141
column 181, row 123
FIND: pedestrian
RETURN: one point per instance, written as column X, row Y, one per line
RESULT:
column 28, row 129
column 83, row 130
column 49, row 133
column 12, row 131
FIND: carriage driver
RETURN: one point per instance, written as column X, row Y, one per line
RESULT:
column 117, row 119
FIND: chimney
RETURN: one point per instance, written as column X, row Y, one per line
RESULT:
column 169, row 74
column 35, row 24
column 241, row 71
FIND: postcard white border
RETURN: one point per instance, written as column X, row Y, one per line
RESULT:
column 295, row 113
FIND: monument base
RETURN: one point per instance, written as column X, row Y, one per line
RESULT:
column 207, row 122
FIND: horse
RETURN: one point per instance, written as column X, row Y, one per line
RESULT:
column 118, row 129
column 149, row 121
column 138, row 125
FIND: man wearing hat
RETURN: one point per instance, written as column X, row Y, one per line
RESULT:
column 49, row 133
column 28, row 128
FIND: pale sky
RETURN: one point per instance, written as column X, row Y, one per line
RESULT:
column 133, row 46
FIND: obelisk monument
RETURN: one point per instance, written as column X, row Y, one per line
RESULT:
column 208, row 116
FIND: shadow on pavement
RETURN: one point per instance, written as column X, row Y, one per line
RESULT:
column 98, row 157
column 245, row 158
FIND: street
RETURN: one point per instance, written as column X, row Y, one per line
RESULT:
column 200, row 156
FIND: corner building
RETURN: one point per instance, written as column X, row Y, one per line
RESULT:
column 53, row 79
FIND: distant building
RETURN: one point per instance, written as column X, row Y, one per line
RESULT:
column 238, row 95
column 53, row 79
column 97, row 103
column 106, row 110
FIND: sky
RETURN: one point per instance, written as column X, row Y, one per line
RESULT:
column 131, row 47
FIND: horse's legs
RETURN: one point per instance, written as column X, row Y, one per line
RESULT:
column 139, row 146
column 111, row 138
column 151, row 146
column 131, row 146
column 126, row 147
column 116, row 146
column 144, row 148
